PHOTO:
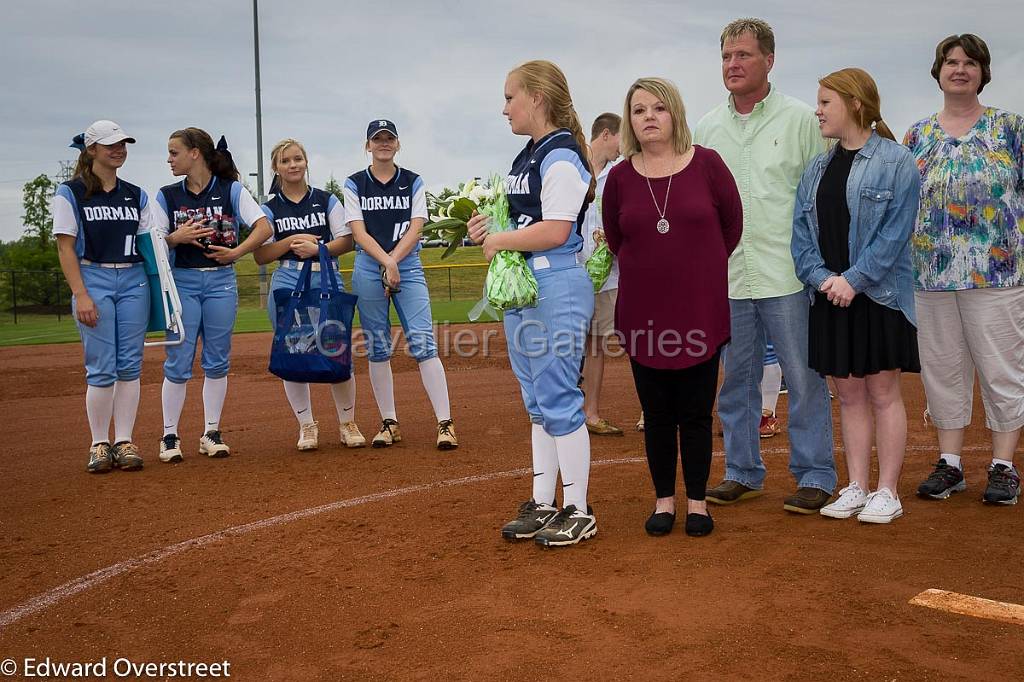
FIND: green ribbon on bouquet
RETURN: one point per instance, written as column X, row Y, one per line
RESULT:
column 510, row 282
column 599, row 266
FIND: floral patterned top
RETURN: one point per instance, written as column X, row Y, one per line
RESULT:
column 970, row 226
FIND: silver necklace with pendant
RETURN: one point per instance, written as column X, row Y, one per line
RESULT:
column 662, row 224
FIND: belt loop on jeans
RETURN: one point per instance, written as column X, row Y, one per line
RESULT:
column 116, row 266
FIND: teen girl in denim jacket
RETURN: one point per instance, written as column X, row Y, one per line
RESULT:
column 854, row 214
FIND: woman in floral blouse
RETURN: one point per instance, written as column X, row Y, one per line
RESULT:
column 968, row 257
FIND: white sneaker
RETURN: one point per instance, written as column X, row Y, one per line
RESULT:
column 309, row 436
column 211, row 445
column 351, row 436
column 850, row 501
column 881, row 507
column 170, row 448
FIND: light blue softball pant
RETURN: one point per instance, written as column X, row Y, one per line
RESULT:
column 113, row 348
column 209, row 304
column 412, row 304
column 546, row 343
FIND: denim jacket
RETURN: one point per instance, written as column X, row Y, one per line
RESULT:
column 882, row 194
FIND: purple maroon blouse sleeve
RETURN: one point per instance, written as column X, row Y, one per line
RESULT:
column 610, row 210
column 727, row 200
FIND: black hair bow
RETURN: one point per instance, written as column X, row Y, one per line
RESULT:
column 222, row 149
column 78, row 142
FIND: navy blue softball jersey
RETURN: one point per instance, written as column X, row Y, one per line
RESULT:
column 225, row 205
column 549, row 181
column 105, row 224
column 386, row 208
column 318, row 213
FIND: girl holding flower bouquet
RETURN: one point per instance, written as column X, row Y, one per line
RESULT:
column 548, row 189
column 385, row 207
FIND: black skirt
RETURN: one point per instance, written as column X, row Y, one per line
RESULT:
column 865, row 338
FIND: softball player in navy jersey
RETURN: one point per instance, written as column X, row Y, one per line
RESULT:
column 200, row 217
column 549, row 187
column 302, row 217
column 386, row 207
column 96, row 217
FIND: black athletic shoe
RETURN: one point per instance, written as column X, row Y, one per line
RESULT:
column 531, row 519
column 1003, row 485
column 569, row 527
column 942, row 482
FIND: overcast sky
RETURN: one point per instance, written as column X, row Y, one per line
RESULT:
column 435, row 68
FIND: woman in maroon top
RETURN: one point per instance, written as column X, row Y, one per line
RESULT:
column 672, row 215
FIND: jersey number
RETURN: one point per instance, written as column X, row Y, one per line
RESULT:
column 129, row 245
column 400, row 230
column 524, row 220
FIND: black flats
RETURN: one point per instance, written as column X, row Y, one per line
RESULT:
column 699, row 524
column 660, row 523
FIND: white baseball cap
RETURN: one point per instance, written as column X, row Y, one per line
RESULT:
column 106, row 132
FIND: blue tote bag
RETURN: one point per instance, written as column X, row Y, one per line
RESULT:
column 313, row 334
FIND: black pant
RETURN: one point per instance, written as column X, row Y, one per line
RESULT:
column 678, row 400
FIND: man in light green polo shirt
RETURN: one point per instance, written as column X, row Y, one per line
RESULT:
column 766, row 139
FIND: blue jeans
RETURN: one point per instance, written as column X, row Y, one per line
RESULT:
column 784, row 320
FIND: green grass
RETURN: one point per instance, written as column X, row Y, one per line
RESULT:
column 432, row 256
column 36, row 329
column 33, row 329
column 453, row 291
column 445, row 284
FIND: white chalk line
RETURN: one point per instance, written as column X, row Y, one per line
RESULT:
column 86, row 582
column 100, row 576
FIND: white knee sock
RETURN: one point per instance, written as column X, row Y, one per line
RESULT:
column 126, row 406
column 172, row 396
column 214, row 393
column 545, row 466
column 298, row 398
column 99, row 406
column 383, row 384
column 434, row 380
column 574, row 462
column 770, row 385
column 344, row 395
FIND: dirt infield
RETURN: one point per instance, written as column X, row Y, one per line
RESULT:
column 387, row 564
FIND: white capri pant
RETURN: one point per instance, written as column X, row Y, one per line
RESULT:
column 960, row 331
